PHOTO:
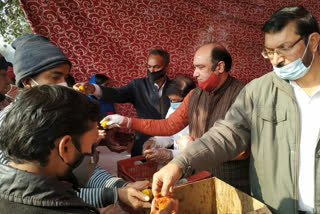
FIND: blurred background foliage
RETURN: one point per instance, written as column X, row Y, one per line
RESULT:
column 13, row 22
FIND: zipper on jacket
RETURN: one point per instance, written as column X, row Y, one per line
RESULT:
column 297, row 147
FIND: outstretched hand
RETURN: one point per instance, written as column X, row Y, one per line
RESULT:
column 165, row 178
column 84, row 87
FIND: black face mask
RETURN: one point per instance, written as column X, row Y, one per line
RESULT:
column 154, row 76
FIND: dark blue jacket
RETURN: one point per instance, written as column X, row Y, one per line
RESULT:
column 143, row 94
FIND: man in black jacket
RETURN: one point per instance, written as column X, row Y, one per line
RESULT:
column 148, row 95
column 49, row 137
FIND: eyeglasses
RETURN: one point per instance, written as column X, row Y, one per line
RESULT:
column 269, row 53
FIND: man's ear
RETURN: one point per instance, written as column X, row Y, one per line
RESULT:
column 166, row 69
column 27, row 82
column 314, row 42
column 220, row 68
column 66, row 148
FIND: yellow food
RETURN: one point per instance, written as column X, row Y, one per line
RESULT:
column 148, row 192
column 104, row 124
column 81, row 88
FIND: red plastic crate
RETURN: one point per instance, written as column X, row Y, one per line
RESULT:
column 133, row 169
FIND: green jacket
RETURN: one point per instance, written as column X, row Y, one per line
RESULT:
column 265, row 117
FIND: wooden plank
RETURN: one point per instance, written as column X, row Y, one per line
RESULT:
column 232, row 200
column 213, row 196
column 195, row 198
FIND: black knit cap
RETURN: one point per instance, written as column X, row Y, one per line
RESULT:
column 35, row 54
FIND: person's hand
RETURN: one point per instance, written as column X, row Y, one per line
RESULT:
column 172, row 207
column 184, row 141
column 149, row 144
column 114, row 120
column 159, row 155
column 165, row 178
column 133, row 197
column 139, row 185
column 101, row 135
column 84, row 87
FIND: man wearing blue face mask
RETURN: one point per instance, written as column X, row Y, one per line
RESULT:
column 276, row 116
column 38, row 62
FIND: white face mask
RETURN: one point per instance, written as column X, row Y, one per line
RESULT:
column 35, row 82
column 60, row 83
column 293, row 70
column 63, row 84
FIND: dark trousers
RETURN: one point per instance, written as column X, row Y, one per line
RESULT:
column 139, row 140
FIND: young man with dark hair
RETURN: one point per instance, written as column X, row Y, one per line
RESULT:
column 49, row 136
column 39, row 62
column 276, row 116
column 148, row 95
column 200, row 109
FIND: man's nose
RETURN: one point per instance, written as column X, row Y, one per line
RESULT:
column 195, row 73
column 276, row 59
column 151, row 69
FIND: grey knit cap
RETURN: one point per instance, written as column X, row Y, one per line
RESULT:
column 35, row 54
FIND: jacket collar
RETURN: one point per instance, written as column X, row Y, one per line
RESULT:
column 282, row 84
column 31, row 189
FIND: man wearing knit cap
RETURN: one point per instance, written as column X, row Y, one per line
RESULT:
column 39, row 62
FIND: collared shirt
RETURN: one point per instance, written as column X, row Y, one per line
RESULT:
column 309, row 131
column 160, row 89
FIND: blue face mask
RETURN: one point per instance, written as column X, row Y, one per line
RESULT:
column 175, row 105
column 293, row 70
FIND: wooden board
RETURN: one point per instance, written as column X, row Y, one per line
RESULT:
column 213, row 196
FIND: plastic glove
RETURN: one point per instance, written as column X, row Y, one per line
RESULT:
column 149, row 144
column 84, row 87
column 159, row 155
column 114, row 120
column 158, row 142
column 184, row 141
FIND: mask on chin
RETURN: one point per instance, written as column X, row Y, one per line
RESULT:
column 211, row 83
column 154, row 76
column 81, row 170
column 293, row 70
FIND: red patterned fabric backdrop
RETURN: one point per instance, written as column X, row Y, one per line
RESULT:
column 113, row 37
